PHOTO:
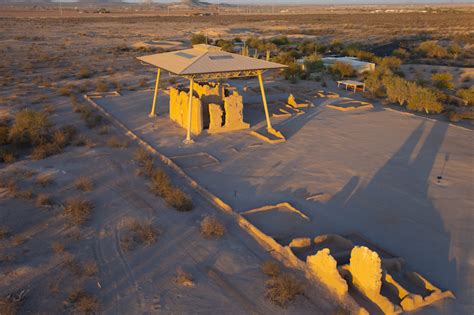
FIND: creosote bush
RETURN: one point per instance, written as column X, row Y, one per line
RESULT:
column 115, row 142
column 78, row 210
column 210, row 227
column 184, row 278
column 84, row 183
column 58, row 247
column 282, row 289
column 83, row 302
column 271, row 268
column 139, row 233
column 174, row 197
column 44, row 200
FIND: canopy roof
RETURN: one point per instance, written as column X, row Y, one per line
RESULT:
column 208, row 60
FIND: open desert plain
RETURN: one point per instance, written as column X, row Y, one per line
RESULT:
column 196, row 158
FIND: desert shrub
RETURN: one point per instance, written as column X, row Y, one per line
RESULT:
column 280, row 40
column 83, row 183
column 65, row 91
column 210, row 226
column 313, row 63
column 30, row 127
column 293, row 72
column 184, row 278
column 44, row 200
column 48, row 109
column 271, row 268
column 78, row 210
column 20, row 240
column 83, row 302
column 27, row 194
column 374, row 82
column 4, row 133
column 101, row 86
column 8, row 306
column 198, row 39
column 282, row 289
column 144, row 233
column 44, row 150
column 454, row 50
column 141, row 156
column 467, row 95
column 143, row 83
column 392, row 63
column 90, row 268
column 397, row 89
column 139, row 233
column 83, row 73
column 431, row 49
column 44, row 180
column 178, row 199
column 160, row 183
column 401, row 53
column 115, row 142
column 443, row 80
column 4, row 232
column 341, row 69
column 58, row 247
column 421, row 99
column 7, row 156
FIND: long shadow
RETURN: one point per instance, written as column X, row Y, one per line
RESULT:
column 396, row 207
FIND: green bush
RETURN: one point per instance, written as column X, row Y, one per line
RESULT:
column 397, row 89
column 421, row 99
column 342, row 69
column 392, row 63
column 313, row 63
column 431, row 49
column 199, row 39
column 30, row 127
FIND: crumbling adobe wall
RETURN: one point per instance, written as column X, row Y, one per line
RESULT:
column 179, row 102
column 324, row 267
column 366, row 270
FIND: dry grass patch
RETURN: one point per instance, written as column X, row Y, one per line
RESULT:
column 211, row 227
column 282, row 289
column 271, row 268
column 44, row 180
column 178, row 199
column 8, row 306
column 90, row 268
column 44, row 200
column 27, row 194
column 83, row 302
column 78, row 210
column 4, row 232
column 19, row 240
column 139, row 233
column 84, row 183
column 174, row 196
column 58, row 247
column 184, row 278
column 115, row 142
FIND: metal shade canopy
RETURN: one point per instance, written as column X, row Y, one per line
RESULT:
column 204, row 62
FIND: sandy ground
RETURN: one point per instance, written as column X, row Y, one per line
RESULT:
column 371, row 171
column 226, row 271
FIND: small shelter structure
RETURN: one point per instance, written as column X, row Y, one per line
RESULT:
column 354, row 85
column 205, row 62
